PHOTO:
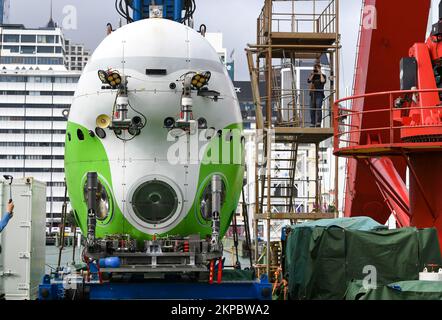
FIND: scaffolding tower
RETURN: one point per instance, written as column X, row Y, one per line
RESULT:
column 291, row 34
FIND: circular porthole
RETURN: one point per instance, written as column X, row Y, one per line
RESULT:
column 154, row 201
column 155, row 204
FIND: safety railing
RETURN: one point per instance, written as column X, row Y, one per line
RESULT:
column 322, row 22
column 350, row 131
column 358, row 45
column 293, row 108
column 327, row 19
column 263, row 28
column 308, row 205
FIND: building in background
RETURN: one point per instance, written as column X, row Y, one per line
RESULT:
column 216, row 40
column 36, row 91
column 76, row 56
column 231, row 69
column 31, row 49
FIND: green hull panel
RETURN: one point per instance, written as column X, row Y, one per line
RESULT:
column 82, row 156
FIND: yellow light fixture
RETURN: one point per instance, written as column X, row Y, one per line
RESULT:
column 199, row 80
column 111, row 77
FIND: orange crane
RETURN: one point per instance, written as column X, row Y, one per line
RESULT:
column 395, row 119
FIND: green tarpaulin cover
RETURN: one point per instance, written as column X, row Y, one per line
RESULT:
column 403, row 290
column 322, row 257
column 237, row 275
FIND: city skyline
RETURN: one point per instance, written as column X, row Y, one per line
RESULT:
column 94, row 15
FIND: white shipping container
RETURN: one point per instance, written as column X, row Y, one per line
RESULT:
column 22, row 258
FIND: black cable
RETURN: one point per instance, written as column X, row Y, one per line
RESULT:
column 124, row 139
column 120, row 5
column 125, row 11
column 188, row 11
column 191, row 10
column 194, row 7
column 113, row 112
column 135, row 110
column 127, row 8
column 118, row 10
column 144, row 117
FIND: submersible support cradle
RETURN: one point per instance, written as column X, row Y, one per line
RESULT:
column 121, row 261
column 159, row 256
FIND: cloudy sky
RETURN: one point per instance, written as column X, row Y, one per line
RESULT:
column 235, row 18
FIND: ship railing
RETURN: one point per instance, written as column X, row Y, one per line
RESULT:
column 292, row 107
column 323, row 21
column 382, row 125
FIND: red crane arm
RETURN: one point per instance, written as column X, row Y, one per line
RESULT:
column 388, row 29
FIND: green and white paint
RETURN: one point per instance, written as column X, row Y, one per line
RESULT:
column 123, row 165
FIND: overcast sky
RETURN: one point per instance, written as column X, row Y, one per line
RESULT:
column 235, row 18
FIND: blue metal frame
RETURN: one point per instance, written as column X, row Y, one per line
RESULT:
column 234, row 290
column 261, row 290
column 138, row 7
column 49, row 290
column 178, row 8
column 172, row 9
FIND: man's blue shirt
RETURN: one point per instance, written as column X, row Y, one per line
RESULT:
column 4, row 221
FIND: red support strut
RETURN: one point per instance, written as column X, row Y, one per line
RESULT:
column 211, row 271
column 220, row 270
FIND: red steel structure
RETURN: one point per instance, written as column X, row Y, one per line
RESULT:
column 395, row 118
